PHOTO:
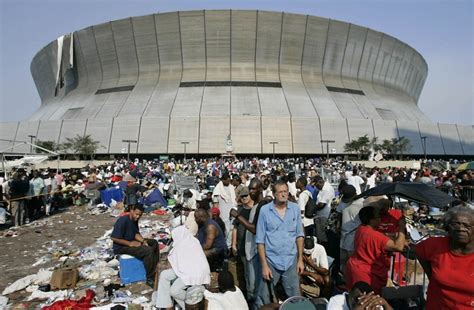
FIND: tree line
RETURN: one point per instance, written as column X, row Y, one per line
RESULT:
column 75, row 147
column 364, row 146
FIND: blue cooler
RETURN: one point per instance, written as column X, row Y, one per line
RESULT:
column 131, row 269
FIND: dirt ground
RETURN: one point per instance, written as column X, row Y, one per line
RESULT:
column 73, row 229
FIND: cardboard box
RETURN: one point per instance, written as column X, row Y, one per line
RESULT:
column 65, row 278
column 119, row 206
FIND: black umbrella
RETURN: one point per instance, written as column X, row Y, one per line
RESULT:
column 411, row 191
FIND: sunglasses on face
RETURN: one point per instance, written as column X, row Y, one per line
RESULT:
column 243, row 196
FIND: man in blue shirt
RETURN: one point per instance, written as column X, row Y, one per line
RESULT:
column 280, row 241
column 128, row 240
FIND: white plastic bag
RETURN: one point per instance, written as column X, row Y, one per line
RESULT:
column 3, row 216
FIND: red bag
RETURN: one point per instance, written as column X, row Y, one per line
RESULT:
column 81, row 304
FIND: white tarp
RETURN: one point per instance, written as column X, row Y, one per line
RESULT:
column 59, row 59
column 26, row 160
column 71, row 51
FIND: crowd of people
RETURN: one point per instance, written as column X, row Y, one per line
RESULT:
column 293, row 227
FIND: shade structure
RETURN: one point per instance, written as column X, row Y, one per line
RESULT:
column 418, row 192
column 466, row 166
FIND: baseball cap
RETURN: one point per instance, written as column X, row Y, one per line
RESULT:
column 215, row 211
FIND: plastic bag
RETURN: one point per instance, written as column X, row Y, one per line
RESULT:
column 3, row 216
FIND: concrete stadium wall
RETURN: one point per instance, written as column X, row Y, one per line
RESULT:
column 153, row 54
column 250, row 135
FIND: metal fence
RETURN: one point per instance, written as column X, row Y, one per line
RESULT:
column 458, row 191
column 410, row 281
column 406, row 269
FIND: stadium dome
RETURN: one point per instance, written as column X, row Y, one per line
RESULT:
column 258, row 76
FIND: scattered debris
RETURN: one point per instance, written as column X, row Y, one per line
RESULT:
column 97, row 266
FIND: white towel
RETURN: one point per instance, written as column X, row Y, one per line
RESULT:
column 227, row 195
column 187, row 258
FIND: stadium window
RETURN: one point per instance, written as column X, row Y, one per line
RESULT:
column 72, row 113
column 114, row 89
column 345, row 90
column 386, row 114
column 230, row 83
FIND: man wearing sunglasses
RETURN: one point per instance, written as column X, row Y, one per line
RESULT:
column 253, row 271
column 239, row 239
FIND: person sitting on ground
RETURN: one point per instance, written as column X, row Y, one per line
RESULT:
column 229, row 296
column 370, row 261
column 360, row 297
column 212, row 240
column 128, row 240
column 449, row 262
column 315, row 280
column 132, row 192
column 189, row 270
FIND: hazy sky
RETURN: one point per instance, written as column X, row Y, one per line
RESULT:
column 441, row 30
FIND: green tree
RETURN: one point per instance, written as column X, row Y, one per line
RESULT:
column 80, row 145
column 403, row 145
column 388, row 147
column 395, row 146
column 350, row 147
column 49, row 145
column 360, row 146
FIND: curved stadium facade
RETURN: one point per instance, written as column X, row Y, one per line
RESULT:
column 198, row 76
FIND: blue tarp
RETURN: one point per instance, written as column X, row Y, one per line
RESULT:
column 154, row 197
column 108, row 194
column 122, row 184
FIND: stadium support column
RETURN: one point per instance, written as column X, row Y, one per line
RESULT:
column 327, row 146
column 423, row 143
column 273, row 146
column 128, row 148
column 31, row 143
column 184, row 143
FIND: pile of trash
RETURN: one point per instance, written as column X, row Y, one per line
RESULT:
column 87, row 276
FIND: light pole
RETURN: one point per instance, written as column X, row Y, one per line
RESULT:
column 327, row 146
column 184, row 143
column 273, row 145
column 423, row 142
column 31, row 142
column 128, row 148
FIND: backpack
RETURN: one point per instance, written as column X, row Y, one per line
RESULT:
column 310, row 209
